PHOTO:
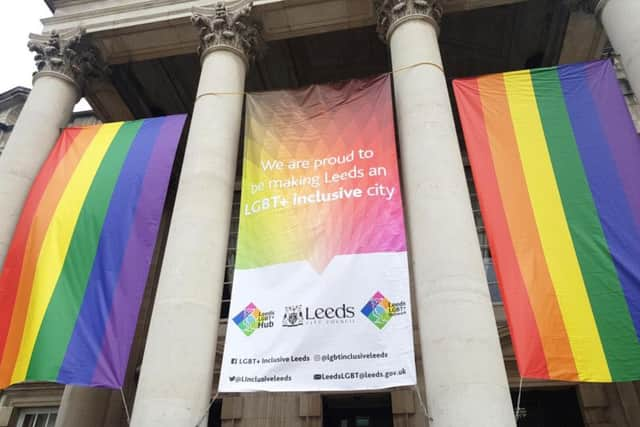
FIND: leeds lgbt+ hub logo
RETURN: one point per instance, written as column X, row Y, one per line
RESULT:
column 248, row 320
column 380, row 310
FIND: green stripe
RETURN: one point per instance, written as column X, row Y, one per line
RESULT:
column 62, row 312
column 603, row 287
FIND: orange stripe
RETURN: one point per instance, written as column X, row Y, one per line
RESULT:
column 15, row 255
column 527, row 347
column 38, row 230
column 524, row 232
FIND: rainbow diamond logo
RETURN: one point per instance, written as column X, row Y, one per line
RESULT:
column 378, row 310
column 248, row 320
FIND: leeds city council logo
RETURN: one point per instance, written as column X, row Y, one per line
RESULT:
column 292, row 316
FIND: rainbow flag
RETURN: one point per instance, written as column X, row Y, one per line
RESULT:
column 75, row 272
column 556, row 162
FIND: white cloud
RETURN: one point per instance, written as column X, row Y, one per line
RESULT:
column 17, row 20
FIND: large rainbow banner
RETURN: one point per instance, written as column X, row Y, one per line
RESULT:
column 556, row 161
column 76, row 269
column 320, row 298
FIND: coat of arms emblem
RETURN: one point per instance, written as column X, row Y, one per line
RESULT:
column 292, row 315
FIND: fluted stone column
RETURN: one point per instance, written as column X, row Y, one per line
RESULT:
column 465, row 377
column 64, row 61
column 82, row 407
column 621, row 21
column 177, row 369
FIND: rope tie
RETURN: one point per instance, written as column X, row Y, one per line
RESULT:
column 126, row 408
column 219, row 94
column 520, row 412
column 427, row 417
column 405, row 68
column 206, row 411
column 417, row 64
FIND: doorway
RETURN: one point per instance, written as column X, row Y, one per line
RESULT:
column 362, row 410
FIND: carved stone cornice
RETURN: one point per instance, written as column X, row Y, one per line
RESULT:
column 69, row 55
column 392, row 13
column 228, row 26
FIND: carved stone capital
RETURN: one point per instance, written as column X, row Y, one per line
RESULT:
column 392, row 13
column 228, row 26
column 69, row 55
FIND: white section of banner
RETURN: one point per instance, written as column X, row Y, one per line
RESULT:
column 313, row 334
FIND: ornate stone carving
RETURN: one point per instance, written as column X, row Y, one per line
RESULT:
column 393, row 12
column 70, row 54
column 228, row 26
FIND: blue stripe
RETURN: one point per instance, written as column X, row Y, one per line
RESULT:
column 619, row 130
column 606, row 186
column 86, row 341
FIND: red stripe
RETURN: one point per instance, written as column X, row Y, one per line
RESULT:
column 527, row 347
column 17, row 276
column 15, row 255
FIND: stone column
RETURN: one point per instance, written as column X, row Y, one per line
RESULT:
column 465, row 378
column 64, row 61
column 620, row 19
column 177, row 369
column 82, row 406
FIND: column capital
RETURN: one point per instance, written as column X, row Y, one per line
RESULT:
column 392, row 13
column 228, row 26
column 68, row 55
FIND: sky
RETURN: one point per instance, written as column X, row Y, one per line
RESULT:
column 17, row 20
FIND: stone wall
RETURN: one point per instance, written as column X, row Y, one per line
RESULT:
column 633, row 102
column 11, row 103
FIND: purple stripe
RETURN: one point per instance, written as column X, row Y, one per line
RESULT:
column 112, row 363
column 602, row 174
column 621, row 135
column 86, row 339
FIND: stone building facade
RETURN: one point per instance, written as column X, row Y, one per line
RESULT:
column 632, row 99
column 141, row 58
column 11, row 103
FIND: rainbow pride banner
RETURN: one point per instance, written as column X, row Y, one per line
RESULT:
column 556, row 161
column 76, row 269
column 320, row 297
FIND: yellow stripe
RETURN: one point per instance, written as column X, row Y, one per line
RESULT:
column 554, row 231
column 56, row 243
